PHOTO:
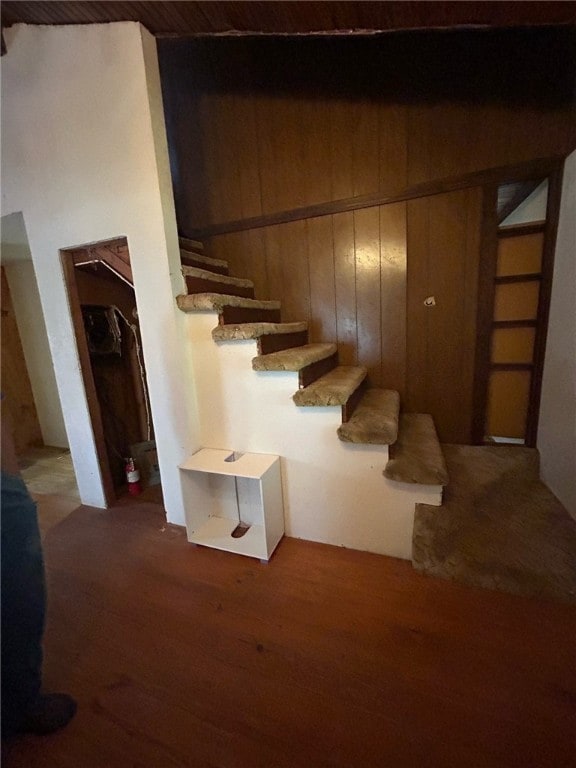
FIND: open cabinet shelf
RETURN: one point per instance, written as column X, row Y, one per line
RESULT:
column 220, row 492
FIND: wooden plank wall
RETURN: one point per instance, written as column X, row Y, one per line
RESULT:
column 345, row 274
column 261, row 127
column 265, row 154
column 444, row 248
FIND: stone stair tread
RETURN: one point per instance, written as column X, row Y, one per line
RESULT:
column 189, row 244
column 197, row 302
column 238, row 331
column 205, row 274
column 334, row 388
column 293, row 359
column 201, row 259
column 417, row 455
column 375, row 420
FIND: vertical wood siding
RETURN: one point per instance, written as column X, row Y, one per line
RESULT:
column 260, row 154
column 263, row 127
column 345, row 274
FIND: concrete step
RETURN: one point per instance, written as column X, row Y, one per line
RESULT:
column 417, row 456
column 231, row 309
column 311, row 361
column 203, row 281
column 190, row 259
column 191, row 245
column 334, row 388
column 375, row 420
column 271, row 337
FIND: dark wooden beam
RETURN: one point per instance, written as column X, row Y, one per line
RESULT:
column 526, row 278
column 295, row 17
column 528, row 228
column 514, row 324
column 511, row 366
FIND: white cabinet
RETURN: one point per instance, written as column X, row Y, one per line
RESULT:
column 222, row 489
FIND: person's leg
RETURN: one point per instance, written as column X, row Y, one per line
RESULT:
column 24, row 708
column 23, row 604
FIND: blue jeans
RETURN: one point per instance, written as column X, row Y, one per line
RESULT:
column 23, row 603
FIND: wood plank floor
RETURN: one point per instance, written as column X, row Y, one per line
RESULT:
column 183, row 656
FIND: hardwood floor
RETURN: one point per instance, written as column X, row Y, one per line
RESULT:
column 183, row 656
column 52, row 509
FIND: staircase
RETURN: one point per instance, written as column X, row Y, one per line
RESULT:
column 263, row 387
column 370, row 419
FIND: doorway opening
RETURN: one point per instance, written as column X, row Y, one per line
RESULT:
column 103, row 307
column 517, row 287
column 31, row 398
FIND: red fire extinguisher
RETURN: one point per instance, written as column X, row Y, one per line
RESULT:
column 132, row 478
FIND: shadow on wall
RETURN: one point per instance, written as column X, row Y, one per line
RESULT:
column 35, row 361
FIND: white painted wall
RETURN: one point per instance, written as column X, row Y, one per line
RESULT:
column 531, row 209
column 557, row 426
column 85, row 159
column 334, row 492
column 27, row 310
column 14, row 239
column 17, row 261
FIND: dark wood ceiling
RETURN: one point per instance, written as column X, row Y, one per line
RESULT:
column 209, row 18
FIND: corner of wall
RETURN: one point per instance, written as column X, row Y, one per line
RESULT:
column 36, row 348
column 557, row 429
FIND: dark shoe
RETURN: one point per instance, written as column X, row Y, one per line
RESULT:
column 51, row 712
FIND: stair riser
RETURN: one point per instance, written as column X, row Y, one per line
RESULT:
column 275, row 342
column 350, row 405
column 189, row 261
column 230, row 315
column 313, row 371
column 200, row 285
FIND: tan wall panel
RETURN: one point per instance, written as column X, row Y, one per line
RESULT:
column 516, row 301
column 520, row 255
column 508, row 396
column 513, row 345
